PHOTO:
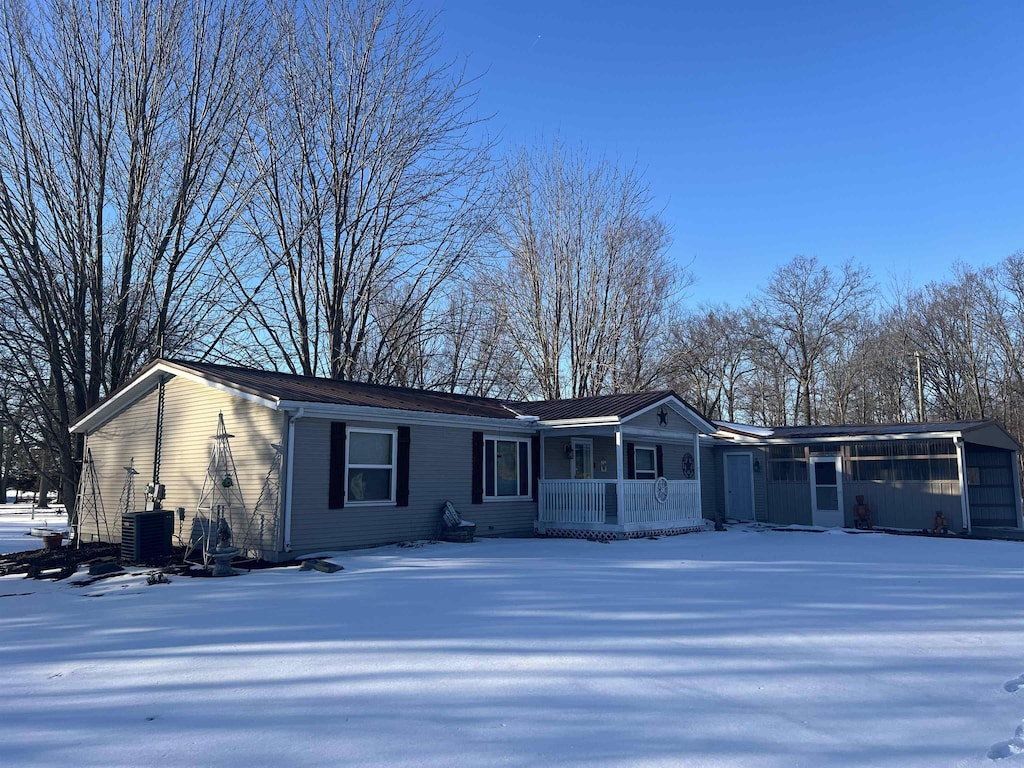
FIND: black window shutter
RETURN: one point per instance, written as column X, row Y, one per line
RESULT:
column 535, row 459
column 336, row 473
column 478, row 467
column 659, row 459
column 402, row 481
column 524, row 469
column 630, row 462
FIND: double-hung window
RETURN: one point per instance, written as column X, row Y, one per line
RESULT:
column 506, row 468
column 645, row 463
column 370, row 466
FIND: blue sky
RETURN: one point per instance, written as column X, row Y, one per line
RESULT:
column 888, row 132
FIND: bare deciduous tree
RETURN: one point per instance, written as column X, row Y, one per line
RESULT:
column 804, row 309
column 586, row 285
column 706, row 359
column 372, row 189
column 120, row 124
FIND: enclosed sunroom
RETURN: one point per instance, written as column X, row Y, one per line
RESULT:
column 906, row 474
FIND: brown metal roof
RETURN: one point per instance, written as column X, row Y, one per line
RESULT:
column 290, row 387
column 592, row 407
column 309, row 389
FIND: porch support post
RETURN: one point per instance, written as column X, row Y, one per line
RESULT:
column 620, row 491
column 541, row 527
column 961, row 464
column 696, row 474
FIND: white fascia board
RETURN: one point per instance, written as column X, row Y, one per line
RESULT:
column 190, row 375
column 688, row 413
column 314, row 410
column 598, row 421
column 660, row 434
column 743, row 440
column 126, row 396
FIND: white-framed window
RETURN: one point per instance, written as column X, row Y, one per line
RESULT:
column 582, row 458
column 370, row 459
column 645, row 462
column 506, row 467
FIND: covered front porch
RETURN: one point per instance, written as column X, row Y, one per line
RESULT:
column 611, row 482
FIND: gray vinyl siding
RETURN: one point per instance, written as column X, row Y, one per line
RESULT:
column 557, row 467
column 712, row 481
column 672, row 458
column 710, row 485
column 190, row 421
column 441, row 469
column 761, row 485
column 674, row 420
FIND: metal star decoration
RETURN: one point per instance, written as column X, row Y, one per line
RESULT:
column 663, row 417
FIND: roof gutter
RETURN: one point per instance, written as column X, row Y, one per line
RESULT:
column 314, row 410
column 749, row 440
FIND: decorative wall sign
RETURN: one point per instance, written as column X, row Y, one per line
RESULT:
column 661, row 490
column 688, row 466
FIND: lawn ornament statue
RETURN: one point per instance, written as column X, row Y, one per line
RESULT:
column 862, row 515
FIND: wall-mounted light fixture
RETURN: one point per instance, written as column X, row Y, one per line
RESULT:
column 568, row 450
column 757, row 465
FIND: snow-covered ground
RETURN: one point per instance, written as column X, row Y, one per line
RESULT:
column 744, row 648
column 16, row 520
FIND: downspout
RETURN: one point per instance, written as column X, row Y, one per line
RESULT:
column 289, row 475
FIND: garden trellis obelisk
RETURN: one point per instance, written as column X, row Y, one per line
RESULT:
column 89, row 505
column 221, row 521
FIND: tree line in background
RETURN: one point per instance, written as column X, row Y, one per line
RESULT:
column 307, row 185
column 817, row 345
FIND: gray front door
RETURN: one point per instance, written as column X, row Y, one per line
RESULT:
column 739, row 486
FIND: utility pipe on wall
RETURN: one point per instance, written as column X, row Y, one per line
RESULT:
column 289, row 476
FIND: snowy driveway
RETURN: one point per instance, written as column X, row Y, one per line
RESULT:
column 730, row 649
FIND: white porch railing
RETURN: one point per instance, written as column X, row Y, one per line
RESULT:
column 641, row 505
column 583, row 501
column 572, row 501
